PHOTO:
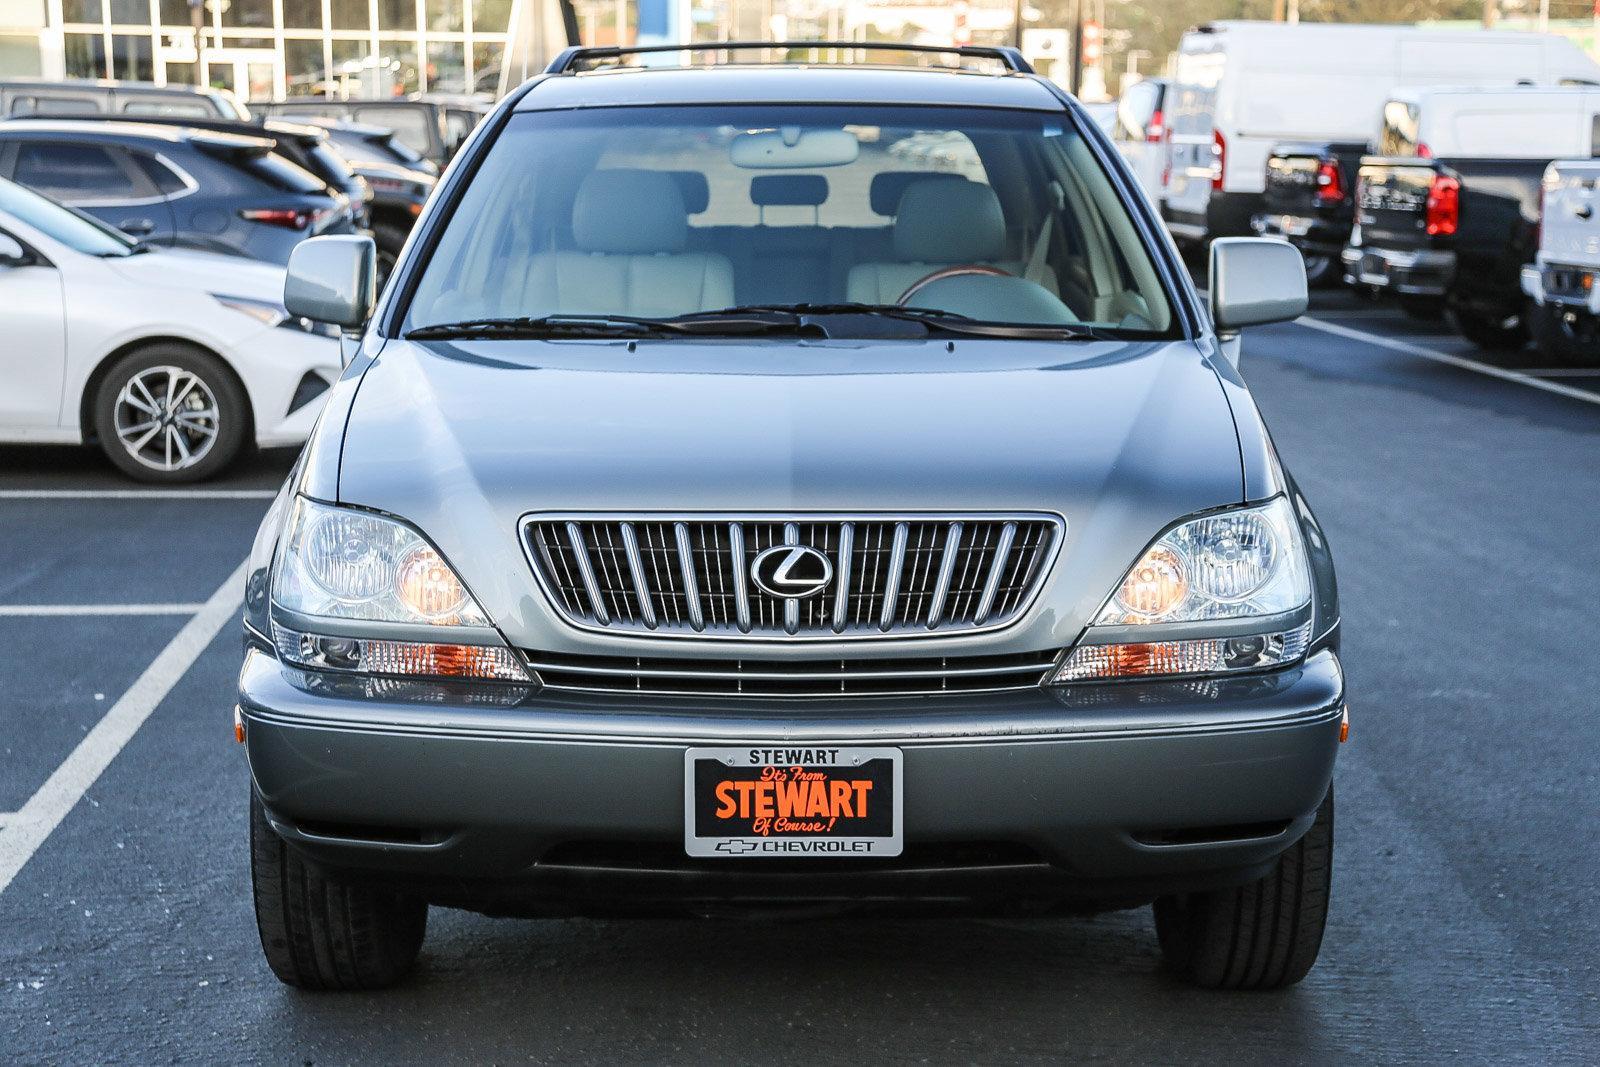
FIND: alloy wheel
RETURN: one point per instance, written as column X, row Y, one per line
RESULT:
column 166, row 418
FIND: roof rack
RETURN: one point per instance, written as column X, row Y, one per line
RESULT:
column 568, row 59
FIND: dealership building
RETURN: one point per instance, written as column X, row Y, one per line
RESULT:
column 272, row 49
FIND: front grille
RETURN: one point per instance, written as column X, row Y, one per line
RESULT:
column 924, row 676
column 691, row 575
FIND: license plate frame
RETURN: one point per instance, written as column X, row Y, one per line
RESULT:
column 788, row 770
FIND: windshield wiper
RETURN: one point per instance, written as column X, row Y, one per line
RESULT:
column 934, row 319
column 595, row 326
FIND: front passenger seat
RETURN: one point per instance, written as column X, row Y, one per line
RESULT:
column 939, row 223
column 629, row 228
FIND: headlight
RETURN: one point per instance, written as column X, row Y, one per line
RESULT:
column 1230, row 566
column 270, row 314
column 339, row 563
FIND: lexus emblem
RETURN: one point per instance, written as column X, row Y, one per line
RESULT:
column 791, row 572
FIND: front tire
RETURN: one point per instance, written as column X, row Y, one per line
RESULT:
column 1322, row 271
column 1507, row 333
column 322, row 933
column 168, row 413
column 1264, row 935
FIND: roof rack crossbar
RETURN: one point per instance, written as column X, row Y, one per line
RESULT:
column 567, row 60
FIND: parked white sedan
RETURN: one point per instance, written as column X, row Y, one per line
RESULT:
column 171, row 360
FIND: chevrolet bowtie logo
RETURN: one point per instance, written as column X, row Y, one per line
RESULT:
column 736, row 847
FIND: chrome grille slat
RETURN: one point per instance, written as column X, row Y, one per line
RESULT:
column 926, row 676
column 736, row 558
column 691, row 586
column 947, row 567
column 630, row 541
column 991, row 585
column 891, row 581
column 841, row 581
column 591, row 586
column 689, row 575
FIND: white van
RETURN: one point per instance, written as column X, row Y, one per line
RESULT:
column 1472, row 122
column 1241, row 87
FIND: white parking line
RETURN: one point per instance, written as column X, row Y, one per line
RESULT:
column 45, row 610
column 137, row 494
column 1462, row 362
column 24, row 831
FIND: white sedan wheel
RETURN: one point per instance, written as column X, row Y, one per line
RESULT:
column 166, row 418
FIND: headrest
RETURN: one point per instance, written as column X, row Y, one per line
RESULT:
column 789, row 190
column 629, row 211
column 695, row 189
column 942, row 221
column 890, row 185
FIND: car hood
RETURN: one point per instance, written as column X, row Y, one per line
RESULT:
column 181, row 268
column 465, row 438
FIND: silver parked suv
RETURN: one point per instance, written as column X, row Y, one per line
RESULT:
column 742, row 504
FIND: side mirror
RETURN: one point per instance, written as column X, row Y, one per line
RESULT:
column 1255, row 280
column 333, row 279
column 12, row 254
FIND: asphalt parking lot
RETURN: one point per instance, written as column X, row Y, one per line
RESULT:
column 1461, row 503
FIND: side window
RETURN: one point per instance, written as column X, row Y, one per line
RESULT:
column 410, row 124
column 161, row 176
column 74, row 172
column 172, row 108
column 56, row 105
column 1135, row 111
column 458, row 124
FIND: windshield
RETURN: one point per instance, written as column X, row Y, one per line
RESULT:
column 995, row 216
column 74, row 229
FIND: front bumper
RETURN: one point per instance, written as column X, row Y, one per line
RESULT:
column 1420, row 272
column 551, row 804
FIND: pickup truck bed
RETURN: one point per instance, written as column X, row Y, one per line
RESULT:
column 1459, row 230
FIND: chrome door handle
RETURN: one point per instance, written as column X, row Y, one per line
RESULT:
column 136, row 227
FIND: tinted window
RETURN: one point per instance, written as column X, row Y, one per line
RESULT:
column 1138, row 106
column 1399, row 135
column 55, row 105
column 329, row 164
column 161, row 176
column 176, row 108
column 279, row 173
column 72, row 171
column 410, row 124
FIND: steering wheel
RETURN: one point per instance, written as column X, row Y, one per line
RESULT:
column 949, row 272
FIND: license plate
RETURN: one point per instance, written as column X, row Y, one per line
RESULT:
column 792, row 801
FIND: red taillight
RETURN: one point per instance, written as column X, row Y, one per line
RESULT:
column 287, row 217
column 1330, row 183
column 1219, row 158
column 1423, row 151
column 1156, row 128
column 1443, row 212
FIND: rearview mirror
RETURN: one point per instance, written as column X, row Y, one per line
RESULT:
column 1255, row 280
column 793, row 147
column 332, row 279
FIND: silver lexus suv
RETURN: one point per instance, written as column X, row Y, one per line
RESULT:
column 768, row 485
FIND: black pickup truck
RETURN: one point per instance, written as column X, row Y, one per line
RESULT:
column 1454, row 232
column 1310, row 201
